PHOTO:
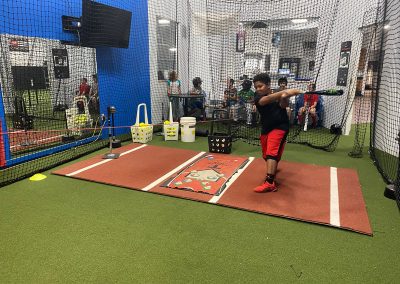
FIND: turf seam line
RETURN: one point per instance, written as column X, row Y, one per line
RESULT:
column 215, row 198
column 167, row 175
column 103, row 162
column 334, row 198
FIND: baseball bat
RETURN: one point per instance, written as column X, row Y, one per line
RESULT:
column 328, row 92
column 162, row 112
column 307, row 111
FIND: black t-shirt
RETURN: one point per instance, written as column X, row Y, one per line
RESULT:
column 272, row 116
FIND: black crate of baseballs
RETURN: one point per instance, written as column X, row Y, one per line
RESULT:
column 220, row 141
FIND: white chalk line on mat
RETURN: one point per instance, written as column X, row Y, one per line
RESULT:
column 164, row 177
column 334, row 198
column 104, row 161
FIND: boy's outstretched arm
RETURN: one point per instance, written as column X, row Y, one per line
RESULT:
column 278, row 96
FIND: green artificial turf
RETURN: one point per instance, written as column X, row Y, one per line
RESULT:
column 64, row 230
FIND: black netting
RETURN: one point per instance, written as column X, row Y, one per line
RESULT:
column 377, row 96
column 127, row 49
column 386, row 121
column 246, row 38
column 397, row 183
column 62, row 64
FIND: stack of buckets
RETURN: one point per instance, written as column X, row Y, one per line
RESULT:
column 188, row 128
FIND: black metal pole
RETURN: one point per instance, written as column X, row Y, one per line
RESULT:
column 109, row 132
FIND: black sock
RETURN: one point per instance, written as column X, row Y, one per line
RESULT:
column 270, row 178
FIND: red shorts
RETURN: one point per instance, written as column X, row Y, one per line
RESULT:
column 273, row 143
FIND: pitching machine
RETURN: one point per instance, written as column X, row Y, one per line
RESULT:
column 111, row 136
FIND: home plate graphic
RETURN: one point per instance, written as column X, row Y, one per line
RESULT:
column 209, row 174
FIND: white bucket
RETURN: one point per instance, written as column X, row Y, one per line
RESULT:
column 188, row 129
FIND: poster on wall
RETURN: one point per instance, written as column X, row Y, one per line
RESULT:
column 344, row 61
column 61, row 64
column 19, row 44
column 240, row 41
column 276, row 39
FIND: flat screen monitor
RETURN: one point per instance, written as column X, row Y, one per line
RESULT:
column 104, row 25
column 29, row 77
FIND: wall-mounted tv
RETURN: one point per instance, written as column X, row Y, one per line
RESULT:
column 104, row 25
column 29, row 77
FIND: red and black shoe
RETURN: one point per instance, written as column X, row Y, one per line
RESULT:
column 266, row 187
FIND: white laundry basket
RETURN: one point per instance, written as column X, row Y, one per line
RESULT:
column 142, row 132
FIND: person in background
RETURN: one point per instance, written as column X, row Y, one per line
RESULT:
column 246, row 101
column 174, row 88
column 94, row 104
column 310, row 103
column 196, row 105
column 231, row 100
column 282, row 85
column 84, row 88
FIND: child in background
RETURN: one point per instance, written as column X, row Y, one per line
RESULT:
column 282, row 83
column 246, row 100
column 196, row 105
column 310, row 102
column 174, row 88
column 231, row 100
column 84, row 88
column 94, row 104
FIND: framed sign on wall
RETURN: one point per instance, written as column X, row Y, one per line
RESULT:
column 240, row 41
column 344, row 61
column 19, row 44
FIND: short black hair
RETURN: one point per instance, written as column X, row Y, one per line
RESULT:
column 262, row 77
column 282, row 80
column 246, row 84
column 196, row 81
column 231, row 81
column 313, row 86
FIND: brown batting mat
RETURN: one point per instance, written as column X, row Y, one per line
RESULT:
column 308, row 193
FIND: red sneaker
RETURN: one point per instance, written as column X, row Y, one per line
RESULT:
column 266, row 187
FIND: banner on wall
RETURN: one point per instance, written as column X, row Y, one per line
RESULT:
column 240, row 41
column 61, row 64
column 344, row 61
column 19, row 44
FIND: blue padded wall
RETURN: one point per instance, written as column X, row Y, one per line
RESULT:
column 123, row 74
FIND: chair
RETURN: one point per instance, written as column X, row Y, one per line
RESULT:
column 213, row 105
column 21, row 118
column 195, row 107
column 319, row 109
